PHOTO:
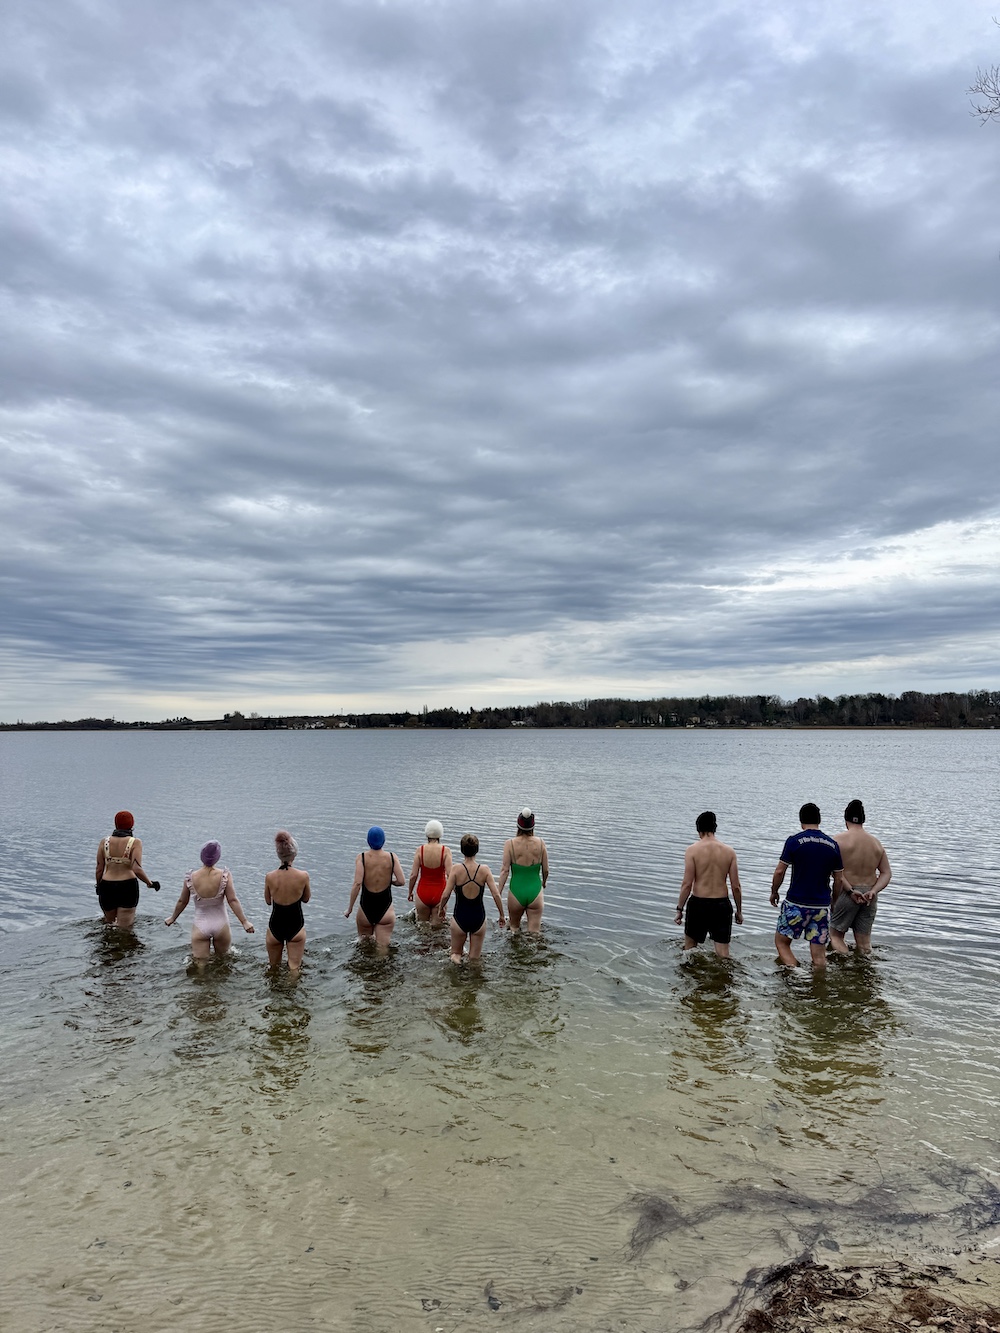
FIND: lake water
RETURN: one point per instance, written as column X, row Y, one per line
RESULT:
column 588, row 1133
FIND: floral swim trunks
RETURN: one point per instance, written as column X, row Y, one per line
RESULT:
column 809, row 923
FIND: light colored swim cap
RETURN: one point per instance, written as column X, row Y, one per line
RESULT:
column 210, row 853
column 285, row 845
column 376, row 838
column 434, row 829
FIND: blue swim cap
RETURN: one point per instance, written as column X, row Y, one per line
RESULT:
column 376, row 837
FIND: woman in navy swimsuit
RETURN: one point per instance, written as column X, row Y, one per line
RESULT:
column 468, row 881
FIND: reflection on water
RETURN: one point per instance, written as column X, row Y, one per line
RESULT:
column 371, row 1018
column 718, row 1017
column 833, row 1033
column 280, row 1042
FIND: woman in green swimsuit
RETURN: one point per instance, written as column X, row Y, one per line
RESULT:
column 526, row 862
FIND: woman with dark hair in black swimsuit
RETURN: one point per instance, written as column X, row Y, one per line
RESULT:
column 285, row 890
column 469, row 881
column 375, row 872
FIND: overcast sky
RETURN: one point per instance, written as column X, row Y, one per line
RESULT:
column 364, row 354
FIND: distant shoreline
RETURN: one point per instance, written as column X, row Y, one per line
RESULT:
column 910, row 711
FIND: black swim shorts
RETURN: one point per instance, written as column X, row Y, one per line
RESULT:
column 115, row 893
column 709, row 916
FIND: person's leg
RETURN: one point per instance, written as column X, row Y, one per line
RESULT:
column 365, row 928
column 476, row 943
column 383, row 931
column 514, row 911
column 721, row 949
column 296, row 948
column 111, row 916
column 862, row 941
column 457, row 942
column 274, row 949
column 784, row 947
column 689, row 943
column 422, row 911
column 201, row 947
column 818, row 954
column 126, row 918
column 838, row 941
column 534, row 914
column 222, row 942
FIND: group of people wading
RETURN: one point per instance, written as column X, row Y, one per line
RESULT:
column 834, row 887
column 434, row 878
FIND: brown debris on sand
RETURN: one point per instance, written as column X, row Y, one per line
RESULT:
column 806, row 1297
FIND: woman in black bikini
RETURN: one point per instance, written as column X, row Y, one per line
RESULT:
column 119, row 870
column 468, row 882
column 285, row 890
column 375, row 872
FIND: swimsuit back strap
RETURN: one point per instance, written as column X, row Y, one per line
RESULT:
column 421, row 856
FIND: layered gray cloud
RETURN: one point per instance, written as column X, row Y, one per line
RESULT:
column 358, row 350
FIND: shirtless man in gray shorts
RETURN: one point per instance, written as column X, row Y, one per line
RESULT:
column 866, row 873
column 708, row 864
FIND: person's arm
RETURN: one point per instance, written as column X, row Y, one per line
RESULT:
column 267, row 890
column 545, row 863
column 737, row 888
column 307, row 892
column 505, row 867
column 687, row 885
column 777, row 879
column 137, row 866
column 414, row 874
column 359, row 874
column 446, row 861
column 449, row 888
column 100, row 862
column 236, row 905
column 397, row 870
column 491, row 884
column 884, row 876
column 182, row 902
column 838, row 885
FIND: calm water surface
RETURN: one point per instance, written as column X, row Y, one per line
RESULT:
column 585, row 1134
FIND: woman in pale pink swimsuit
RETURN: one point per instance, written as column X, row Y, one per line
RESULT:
column 211, row 887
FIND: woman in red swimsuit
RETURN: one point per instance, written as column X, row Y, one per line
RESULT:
column 431, row 866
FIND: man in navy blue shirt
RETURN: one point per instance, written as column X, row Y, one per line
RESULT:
column 814, row 856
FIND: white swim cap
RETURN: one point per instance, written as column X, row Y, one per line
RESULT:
column 434, row 829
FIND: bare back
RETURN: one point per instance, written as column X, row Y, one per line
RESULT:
column 713, row 863
column 862, row 855
column 377, row 870
column 286, row 886
column 205, row 881
column 117, row 859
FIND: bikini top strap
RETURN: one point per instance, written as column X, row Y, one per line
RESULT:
column 107, row 849
column 128, row 848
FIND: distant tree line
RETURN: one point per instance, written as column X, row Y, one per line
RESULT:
column 976, row 708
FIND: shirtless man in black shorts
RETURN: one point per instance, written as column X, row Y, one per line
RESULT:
column 708, row 864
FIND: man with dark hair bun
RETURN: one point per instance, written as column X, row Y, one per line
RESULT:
column 866, row 874
column 708, row 865
column 814, row 856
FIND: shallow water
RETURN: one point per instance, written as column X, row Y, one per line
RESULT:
column 587, row 1133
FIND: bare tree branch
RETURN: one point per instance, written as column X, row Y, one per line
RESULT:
column 987, row 90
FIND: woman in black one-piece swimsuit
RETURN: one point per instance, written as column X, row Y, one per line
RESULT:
column 468, row 881
column 285, row 890
column 375, row 872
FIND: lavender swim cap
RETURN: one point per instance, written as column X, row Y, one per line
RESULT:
column 210, row 853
